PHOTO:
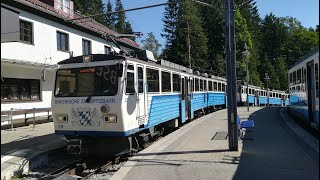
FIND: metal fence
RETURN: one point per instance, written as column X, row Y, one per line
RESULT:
column 14, row 112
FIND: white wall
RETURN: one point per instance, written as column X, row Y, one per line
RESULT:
column 29, row 72
column 44, row 49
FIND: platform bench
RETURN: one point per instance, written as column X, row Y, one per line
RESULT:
column 243, row 125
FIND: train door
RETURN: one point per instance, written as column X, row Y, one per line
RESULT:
column 311, row 91
column 142, row 99
column 185, row 94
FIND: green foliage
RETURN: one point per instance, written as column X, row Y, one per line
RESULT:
column 110, row 20
column 184, row 27
column 151, row 43
column 120, row 17
column 121, row 24
column 90, row 8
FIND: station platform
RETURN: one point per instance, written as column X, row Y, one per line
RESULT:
column 273, row 149
column 18, row 147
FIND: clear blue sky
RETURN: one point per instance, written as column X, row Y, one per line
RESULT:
column 150, row 20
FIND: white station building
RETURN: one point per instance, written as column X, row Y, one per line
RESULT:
column 34, row 37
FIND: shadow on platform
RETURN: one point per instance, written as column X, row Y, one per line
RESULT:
column 272, row 151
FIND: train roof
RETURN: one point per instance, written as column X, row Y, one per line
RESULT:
column 306, row 56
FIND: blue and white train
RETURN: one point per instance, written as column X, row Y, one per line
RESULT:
column 112, row 104
column 259, row 96
column 304, row 88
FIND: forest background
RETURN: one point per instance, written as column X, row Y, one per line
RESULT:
column 274, row 43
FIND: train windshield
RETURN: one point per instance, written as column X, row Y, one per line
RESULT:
column 87, row 81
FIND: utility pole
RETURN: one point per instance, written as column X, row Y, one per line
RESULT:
column 189, row 46
column 230, row 50
column 267, row 78
column 247, row 87
column 230, row 46
column 246, row 56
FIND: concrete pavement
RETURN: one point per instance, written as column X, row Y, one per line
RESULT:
column 269, row 151
column 20, row 148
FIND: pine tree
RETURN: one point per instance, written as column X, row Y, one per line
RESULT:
column 151, row 43
column 184, row 28
column 91, row 7
column 110, row 19
column 170, row 19
column 214, row 26
column 120, row 18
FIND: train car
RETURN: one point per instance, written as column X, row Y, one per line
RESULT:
column 252, row 98
column 111, row 104
column 304, row 88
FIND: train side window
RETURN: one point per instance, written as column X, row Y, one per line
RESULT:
column 153, row 80
column 201, row 84
column 140, row 79
column 298, row 88
column 304, row 75
column 196, row 84
column 176, row 82
column 317, row 79
column 205, row 85
column 165, row 81
column 215, row 86
column 294, row 77
column 223, row 87
column 191, row 84
column 219, row 87
column 210, row 86
column 130, row 79
column 299, row 76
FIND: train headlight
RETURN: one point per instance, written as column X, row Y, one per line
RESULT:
column 104, row 109
column 110, row 118
column 62, row 118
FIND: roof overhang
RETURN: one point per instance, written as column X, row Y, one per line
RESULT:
column 27, row 63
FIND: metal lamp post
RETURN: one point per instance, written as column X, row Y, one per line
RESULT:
column 246, row 54
column 267, row 78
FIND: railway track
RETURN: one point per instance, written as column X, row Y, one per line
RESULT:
column 82, row 169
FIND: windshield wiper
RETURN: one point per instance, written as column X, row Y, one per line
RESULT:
column 88, row 99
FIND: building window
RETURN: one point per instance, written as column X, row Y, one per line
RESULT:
column 20, row 89
column 165, row 81
column 86, row 47
column 107, row 49
column 26, row 32
column 63, row 5
column 130, row 80
column 153, row 80
column 62, row 41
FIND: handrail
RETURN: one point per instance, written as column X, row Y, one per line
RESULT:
column 14, row 111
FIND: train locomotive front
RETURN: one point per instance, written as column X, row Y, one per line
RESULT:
column 88, row 106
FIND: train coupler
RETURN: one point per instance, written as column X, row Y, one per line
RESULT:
column 74, row 146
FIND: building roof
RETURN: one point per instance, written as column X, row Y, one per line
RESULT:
column 88, row 24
